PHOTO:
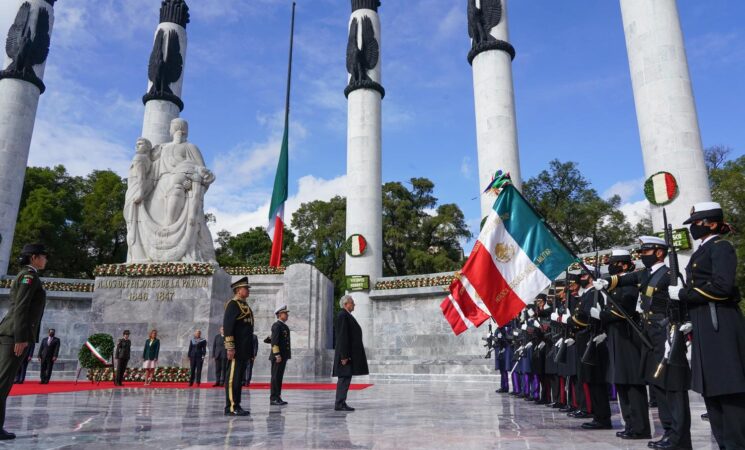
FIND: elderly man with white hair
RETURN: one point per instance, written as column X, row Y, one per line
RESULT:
column 349, row 356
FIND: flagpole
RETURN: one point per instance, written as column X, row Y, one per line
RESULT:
column 289, row 67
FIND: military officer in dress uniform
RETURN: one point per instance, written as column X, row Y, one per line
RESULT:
column 238, row 324
column 663, row 325
column 718, row 348
column 624, row 351
column 281, row 352
column 20, row 326
column 576, row 405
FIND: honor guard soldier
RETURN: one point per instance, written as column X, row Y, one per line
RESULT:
column 281, row 352
column 592, row 354
column 624, row 351
column 665, row 367
column 21, row 324
column 238, row 324
column 576, row 405
column 718, row 348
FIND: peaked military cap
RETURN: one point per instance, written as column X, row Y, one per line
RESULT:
column 573, row 278
column 652, row 242
column 619, row 255
column 281, row 309
column 34, row 249
column 541, row 296
column 706, row 210
column 243, row 282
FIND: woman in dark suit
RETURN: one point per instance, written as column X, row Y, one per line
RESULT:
column 150, row 356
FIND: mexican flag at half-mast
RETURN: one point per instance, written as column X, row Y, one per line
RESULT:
column 276, row 226
column 516, row 257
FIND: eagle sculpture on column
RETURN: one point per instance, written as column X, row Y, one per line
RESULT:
column 482, row 20
column 362, row 58
column 165, row 67
column 27, row 45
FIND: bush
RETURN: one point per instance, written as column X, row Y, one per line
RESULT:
column 104, row 343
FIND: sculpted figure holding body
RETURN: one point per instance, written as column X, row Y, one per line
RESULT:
column 164, row 206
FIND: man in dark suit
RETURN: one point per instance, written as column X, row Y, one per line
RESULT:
column 121, row 355
column 197, row 352
column 21, row 323
column 250, row 364
column 48, row 353
column 349, row 355
column 21, row 374
column 281, row 352
column 218, row 354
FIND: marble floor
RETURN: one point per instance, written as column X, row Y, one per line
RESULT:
column 389, row 416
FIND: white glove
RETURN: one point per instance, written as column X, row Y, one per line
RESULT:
column 555, row 317
column 599, row 285
column 516, row 333
column 536, row 324
column 564, row 318
column 531, row 313
column 639, row 307
column 667, row 347
column 570, row 342
column 541, row 345
column 686, row 328
column 524, row 326
column 674, row 291
column 595, row 313
column 530, row 345
column 559, row 342
column 499, row 336
column 519, row 349
column 600, row 338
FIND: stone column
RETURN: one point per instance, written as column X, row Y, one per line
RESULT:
column 20, row 87
column 364, row 178
column 166, row 72
column 491, row 57
column 665, row 108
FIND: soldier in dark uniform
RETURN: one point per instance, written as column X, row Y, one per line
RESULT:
column 591, row 372
column 238, row 323
column 221, row 360
column 20, row 326
column 718, row 348
column 281, row 352
column 540, row 327
column 122, row 352
column 503, row 357
column 575, row 394
column 662, row 320
column 624, row 352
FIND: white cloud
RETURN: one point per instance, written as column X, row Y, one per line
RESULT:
column 635, row 212
column 310, row 188
column 466, row 168
column 627, row 190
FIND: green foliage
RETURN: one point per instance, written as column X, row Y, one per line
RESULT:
column 79, row 219
column 575, row 210
column 253, row 248
column 104, row 343
column 419, row 236
column 727, row 181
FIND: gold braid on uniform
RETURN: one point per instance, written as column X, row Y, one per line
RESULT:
column 613, row 282
column 229, row 343
column 275, row 348
column 578, row 322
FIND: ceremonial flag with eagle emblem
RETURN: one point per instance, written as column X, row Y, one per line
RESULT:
column 276, row 226
column 515, row 258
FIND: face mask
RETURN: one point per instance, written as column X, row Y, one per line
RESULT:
column 584, row 282
column 51, row 334
column 649, row 260
column 614, row 269
column 699, row 231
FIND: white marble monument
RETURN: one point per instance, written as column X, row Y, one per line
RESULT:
column 364, row 176
column 491, row 57
column 164, row 205
column 166, row 72
column 20, row 87
column 665, row 107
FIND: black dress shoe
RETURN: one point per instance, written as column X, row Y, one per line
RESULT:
column 631, row 435
column 542, row 402
column 216, row 384
column 580, row 415
column 343, row 408
column 567, row 409
column 237, row 413
column 501, row 391
column 595, row 425
column 621, row 434
column 6, row 436
column 282, row 401
column 558, row 406
column 654, row 444
column 667, row 445
column 275, row 402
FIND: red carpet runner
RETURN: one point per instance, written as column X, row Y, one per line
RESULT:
column 56, row 387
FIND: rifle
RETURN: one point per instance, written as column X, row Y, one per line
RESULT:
column 489, row 342
column 674, row 338
column 672, row 252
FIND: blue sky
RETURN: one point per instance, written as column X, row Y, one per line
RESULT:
column 572, row 88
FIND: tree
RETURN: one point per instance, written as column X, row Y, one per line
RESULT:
column 253, row 248
column 574, row 209
column 321, row 237
column 102, row 225
column 417, row 240
column 715, row 156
